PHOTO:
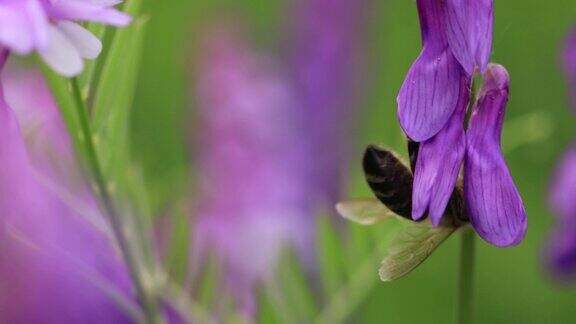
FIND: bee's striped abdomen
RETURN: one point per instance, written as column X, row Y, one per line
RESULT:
column 389, row 179
column 413, row 148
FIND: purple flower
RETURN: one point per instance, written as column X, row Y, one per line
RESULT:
column 58, row 262
column 457, row 38
column 49, row 27
column 325, row 53
column 562, row 247
column 493, row 203
column 432, row 106
column 23, row 25
column 561, row 252
column 253, row 197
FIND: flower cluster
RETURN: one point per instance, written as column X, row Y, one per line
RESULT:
column 50, row 27
column 252, row 182
column 432, row 107
column 265, row 169
column 562, row 250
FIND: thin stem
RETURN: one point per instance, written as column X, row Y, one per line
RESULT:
column 107, row 204
column 464, row 301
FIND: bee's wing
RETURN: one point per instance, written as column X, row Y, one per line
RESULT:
column 412, row 246
column 364, row 211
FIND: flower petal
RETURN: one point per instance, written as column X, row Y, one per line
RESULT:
column 495, row 207
column 89, row 11
column 439, row 163
column 61, row 55
column 469, row 29
column 23, row 26
column 87, row 44
column 430, row 92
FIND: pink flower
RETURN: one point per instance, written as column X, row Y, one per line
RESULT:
column 49, row 27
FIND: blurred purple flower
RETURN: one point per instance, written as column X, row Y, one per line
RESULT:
column 562, row 249
column 58, row 263
column 46, row 136
column 274, row 144
column 561, row 253
column 325, row 55
column 49, row 27
column 253, row 196
column 492, row 200
column 457, row 39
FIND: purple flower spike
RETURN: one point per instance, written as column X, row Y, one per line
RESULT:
column 494, row 204
column 253, row 185
column 437, row 168
column 562, row 249
column 469, row 32
column 325, row 73
column 569, row 60
column 429, row 95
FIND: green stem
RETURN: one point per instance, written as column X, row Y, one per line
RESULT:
column 148, row 304
column 464, row 301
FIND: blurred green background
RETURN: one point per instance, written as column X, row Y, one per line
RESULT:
column 511, row 284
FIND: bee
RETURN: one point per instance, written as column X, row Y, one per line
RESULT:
column 391, row 181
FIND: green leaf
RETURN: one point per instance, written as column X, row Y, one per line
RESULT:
column 332, row 256
column 361, row 275
column 208, row 282
column 412, row 245
column 364, row 211
column 62, row 93
column 114, row 97
column 299, row 297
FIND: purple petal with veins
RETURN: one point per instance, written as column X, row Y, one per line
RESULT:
column 469, row 32
column 429, row 95
column 439, row 163
column 494, row 205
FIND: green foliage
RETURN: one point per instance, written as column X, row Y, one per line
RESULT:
column 114, row 96
column 62, row 93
